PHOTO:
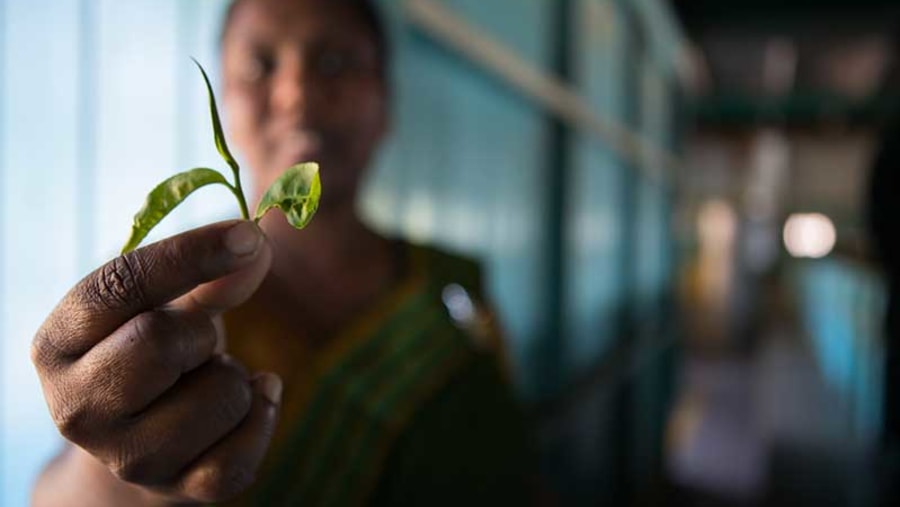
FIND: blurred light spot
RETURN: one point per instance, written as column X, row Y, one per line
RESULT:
column 717, row 226
column 458, row 303
column 420, row 217
column 809, row 235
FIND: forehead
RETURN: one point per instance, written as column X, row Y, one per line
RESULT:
column 298, row 21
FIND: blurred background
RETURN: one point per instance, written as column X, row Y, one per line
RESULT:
column 668, row 197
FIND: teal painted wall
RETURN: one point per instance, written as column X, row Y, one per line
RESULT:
column 842, row 307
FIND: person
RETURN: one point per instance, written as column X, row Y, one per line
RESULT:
column 270, row 366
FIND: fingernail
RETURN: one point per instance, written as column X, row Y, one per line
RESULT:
column 271, row 387
column 243, row 239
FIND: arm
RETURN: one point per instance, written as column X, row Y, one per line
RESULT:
column 74, row 473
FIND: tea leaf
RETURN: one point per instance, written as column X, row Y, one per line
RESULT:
column 296, row 193
column 221, row 145
column 219, row 134
column 165, row 197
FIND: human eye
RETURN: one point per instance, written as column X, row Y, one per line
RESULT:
column 332, row 63
column 256, row 66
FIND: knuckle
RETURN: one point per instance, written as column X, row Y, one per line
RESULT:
column 131, row 469
column 37, row 352
column 220, row 482
column 116, row 282
column 72, row 420
column 40, row 351
column 45, row 352
column 153, row 332
column 134, row 461
column 173, row 340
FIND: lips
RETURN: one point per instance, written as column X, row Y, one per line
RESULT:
column 301, row 146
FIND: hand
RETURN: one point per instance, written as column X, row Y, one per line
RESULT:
column 129, row 365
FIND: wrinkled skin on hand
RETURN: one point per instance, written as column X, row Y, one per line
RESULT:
column 132, row 366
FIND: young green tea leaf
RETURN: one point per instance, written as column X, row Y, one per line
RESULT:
column 165, row 197
column 296, row 193
column 221, row 145
column 219, row 134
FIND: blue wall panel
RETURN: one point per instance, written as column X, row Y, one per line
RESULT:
column 595, row 233
column 464, row 167
column 39, row 173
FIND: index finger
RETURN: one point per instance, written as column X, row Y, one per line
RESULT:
column 145, row 279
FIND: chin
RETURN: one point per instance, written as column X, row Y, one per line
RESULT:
column 336, row 200
column 340, row 185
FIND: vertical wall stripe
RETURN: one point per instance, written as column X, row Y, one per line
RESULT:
column 87, row 117
column 557, row 169
column 677, row 124
column 3, row 239
column 185, row 30
column 624, row 420
column 635, row 53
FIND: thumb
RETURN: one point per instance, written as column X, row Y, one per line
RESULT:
column 231, row 290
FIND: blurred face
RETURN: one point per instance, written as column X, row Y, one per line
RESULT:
column 302, row 83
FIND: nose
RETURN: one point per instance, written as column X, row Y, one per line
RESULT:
column 293, row 87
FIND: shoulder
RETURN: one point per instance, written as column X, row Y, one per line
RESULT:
column 445, row 268
column 456, row 281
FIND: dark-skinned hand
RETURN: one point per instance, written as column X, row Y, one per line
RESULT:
column 133, row 368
